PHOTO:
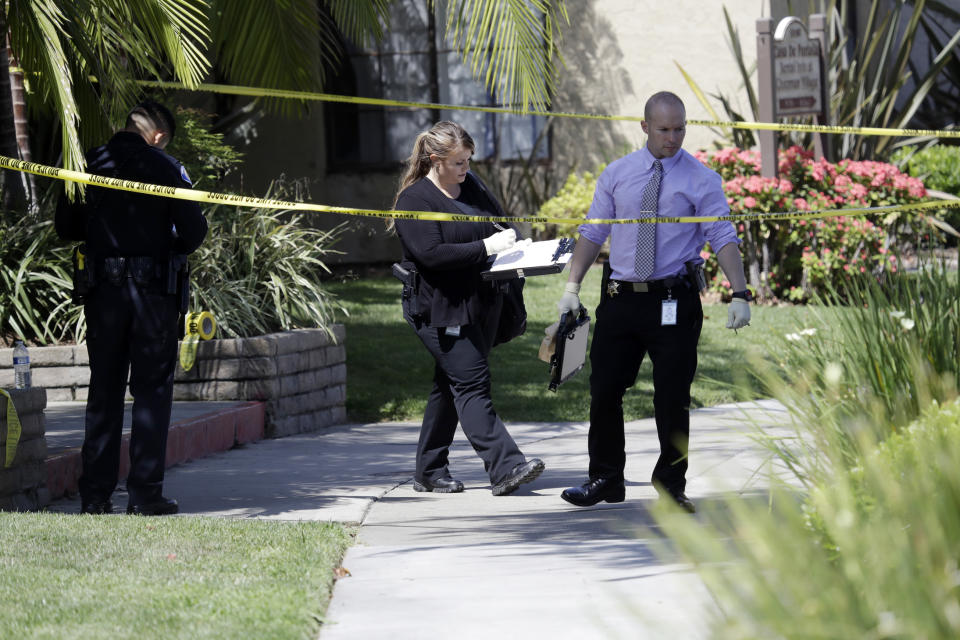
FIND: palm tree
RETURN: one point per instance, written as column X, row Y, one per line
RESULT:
column 83, row 58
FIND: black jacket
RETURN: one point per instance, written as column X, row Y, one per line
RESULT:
column 123, row 223
column 448, row 255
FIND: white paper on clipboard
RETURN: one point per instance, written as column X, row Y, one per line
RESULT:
column 537, row 258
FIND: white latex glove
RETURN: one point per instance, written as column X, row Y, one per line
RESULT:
column 500, row 241
column 738, row 313
column 570, row 301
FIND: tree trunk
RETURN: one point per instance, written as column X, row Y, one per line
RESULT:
column 22, row 126
column 14, row 195
column 765, row 290
column 753, row 263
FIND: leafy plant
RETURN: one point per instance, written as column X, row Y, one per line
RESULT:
column 872, row 554
column 869, row 548
column 868, row 88
column 259, row 270
column 206, row 157
column 939, row 168
column 572, row 201
column 35, row 283
column 795, row 259
column 873, row 358
column 520, row 186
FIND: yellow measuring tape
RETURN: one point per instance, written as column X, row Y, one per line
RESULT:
column 198, row 325
column 267, row 203
column 261, row 92
column 14, row 430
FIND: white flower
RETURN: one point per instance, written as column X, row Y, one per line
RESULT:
column 832, row 373
column 887, row 623
column 907, row 324
column 793, row 337
column 844, row 519
column 897, row 314
column 809, row 332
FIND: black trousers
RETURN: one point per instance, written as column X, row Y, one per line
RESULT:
column 628, row 327
column 128, row 329
column 461, row 392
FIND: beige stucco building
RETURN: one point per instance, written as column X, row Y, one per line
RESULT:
column 616, row 52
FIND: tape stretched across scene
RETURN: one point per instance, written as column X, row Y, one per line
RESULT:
column 267, row 203
column 198, row 325
column 14, row 430
column 260, row 92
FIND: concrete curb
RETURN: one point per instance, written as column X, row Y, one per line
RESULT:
column 188, row 439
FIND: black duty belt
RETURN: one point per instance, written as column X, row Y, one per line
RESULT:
column 616, row 287
column 142, row 269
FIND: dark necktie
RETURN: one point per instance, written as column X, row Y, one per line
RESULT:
column 645, row 258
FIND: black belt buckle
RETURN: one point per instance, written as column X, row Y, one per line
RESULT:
column 142, row 270
column 114, row 270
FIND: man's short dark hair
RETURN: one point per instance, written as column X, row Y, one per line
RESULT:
column 157, row 114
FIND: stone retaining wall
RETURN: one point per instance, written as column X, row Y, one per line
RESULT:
column 23, row 485
column 300, row 375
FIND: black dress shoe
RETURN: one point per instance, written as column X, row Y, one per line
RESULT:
column 97, row 507
column 440, row 485
column 589, row 494
column 681, row 499
column 523, row 472
column 160, row 507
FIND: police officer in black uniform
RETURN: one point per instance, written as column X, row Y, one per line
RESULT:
column 134, row 262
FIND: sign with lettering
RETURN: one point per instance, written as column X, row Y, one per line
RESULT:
column 797, row 83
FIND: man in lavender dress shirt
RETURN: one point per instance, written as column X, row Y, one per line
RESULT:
column 650, row 302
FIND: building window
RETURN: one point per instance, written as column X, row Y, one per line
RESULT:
column 413, row 63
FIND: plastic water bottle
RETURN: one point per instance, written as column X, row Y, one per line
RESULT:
column 21, row 366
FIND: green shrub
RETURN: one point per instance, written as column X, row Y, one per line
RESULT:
column 259, row 270
column 870, row 548
column 939, row 168
column 873, row 357
column 572, row 201
column 889, row 571
column 792, row 260
column 204, row 154
column 35, row 282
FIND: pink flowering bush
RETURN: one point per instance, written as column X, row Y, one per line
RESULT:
column 793, row 258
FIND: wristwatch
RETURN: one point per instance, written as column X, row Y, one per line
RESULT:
column 743, row 295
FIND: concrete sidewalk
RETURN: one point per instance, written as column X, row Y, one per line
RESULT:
column 475, row 565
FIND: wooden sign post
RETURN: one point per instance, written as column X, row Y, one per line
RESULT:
column 790, row 78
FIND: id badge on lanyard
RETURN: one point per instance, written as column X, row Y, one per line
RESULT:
column 668, row 311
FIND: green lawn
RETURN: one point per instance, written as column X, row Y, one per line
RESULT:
column 69, row 576
column 389, row 372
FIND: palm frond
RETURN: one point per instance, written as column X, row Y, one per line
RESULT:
column 511, row 44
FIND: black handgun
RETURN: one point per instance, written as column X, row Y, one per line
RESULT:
column 696, row 275
column 409, row 278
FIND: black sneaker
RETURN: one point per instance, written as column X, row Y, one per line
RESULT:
column 523, row 472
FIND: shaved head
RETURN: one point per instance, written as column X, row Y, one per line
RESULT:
column 662, row 99
column 665, row 123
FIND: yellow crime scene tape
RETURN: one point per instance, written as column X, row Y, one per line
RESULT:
column 198, row 325
column 261, row 92
column 14, row 430
column 268, row 203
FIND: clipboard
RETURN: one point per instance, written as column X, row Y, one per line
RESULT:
column 571, row 351
column 535, row 259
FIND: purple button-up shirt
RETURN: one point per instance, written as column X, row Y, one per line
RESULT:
column 688, row 188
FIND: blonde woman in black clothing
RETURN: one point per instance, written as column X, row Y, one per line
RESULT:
column 454, row 312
